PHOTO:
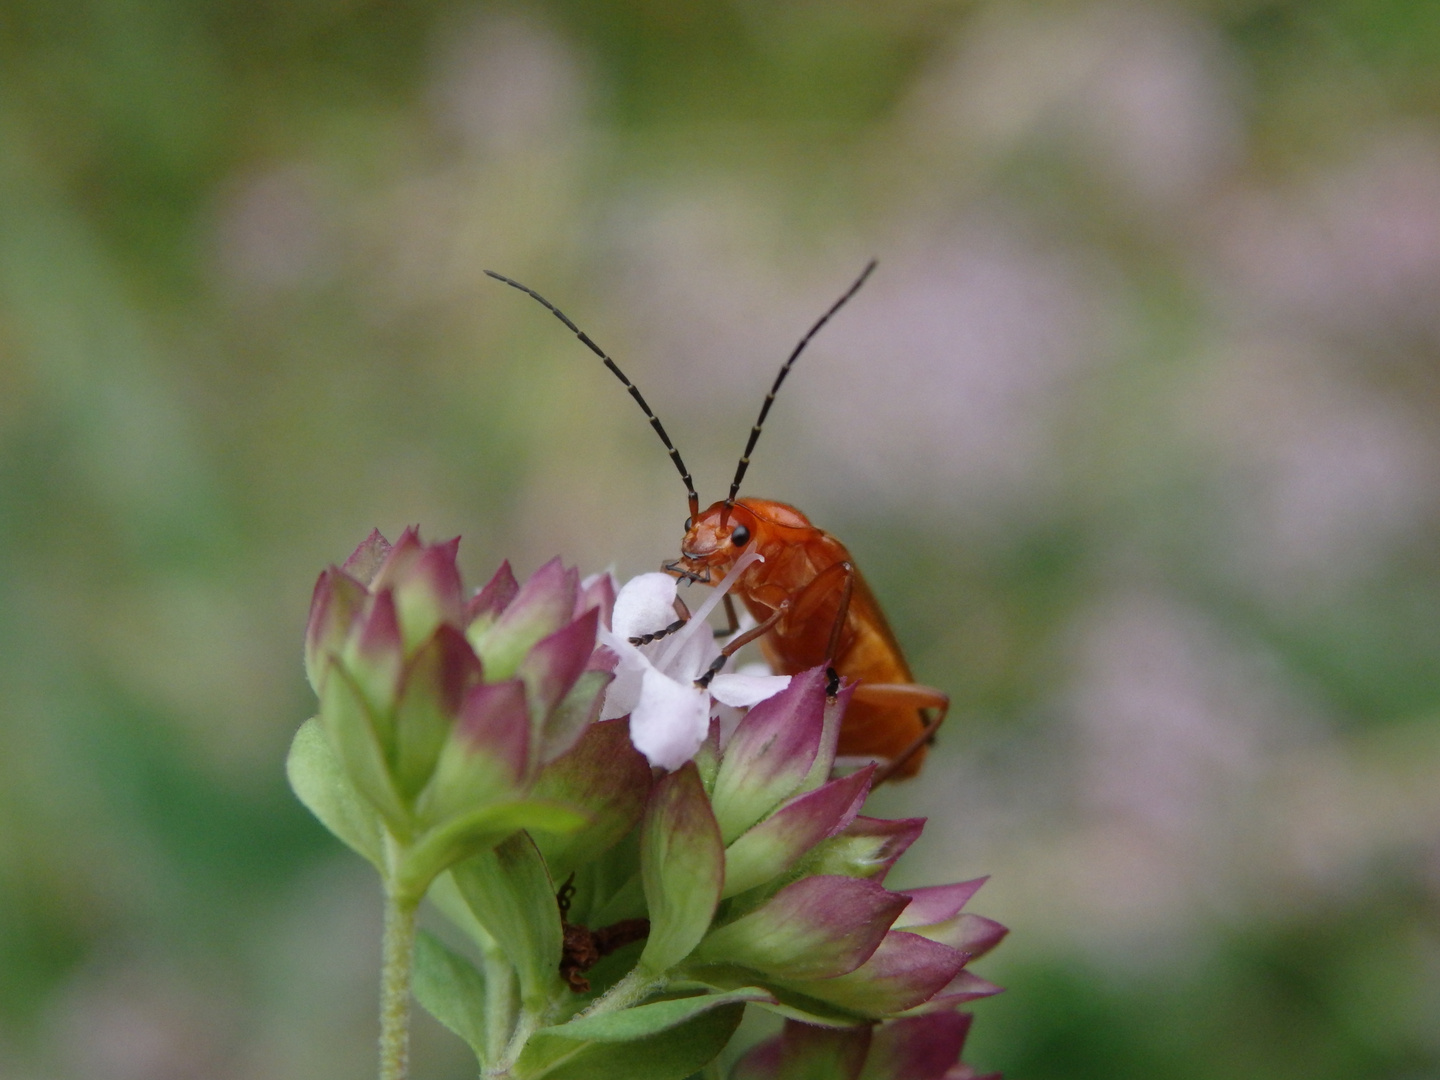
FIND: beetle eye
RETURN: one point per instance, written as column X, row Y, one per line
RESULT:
column 741, row 536
column 689, row 524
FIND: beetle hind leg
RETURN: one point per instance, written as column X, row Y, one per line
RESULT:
column 904, row 696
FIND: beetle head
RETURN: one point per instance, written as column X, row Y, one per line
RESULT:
column 713, row 541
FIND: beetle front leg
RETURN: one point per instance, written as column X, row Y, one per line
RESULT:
column 683, row 614
column 731, row 648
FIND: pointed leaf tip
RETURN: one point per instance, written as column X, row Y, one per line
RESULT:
column 495, row 596
column 598, row 591
column 905, row 971
column 936, row 903
column 365, row 561
column 814, row 928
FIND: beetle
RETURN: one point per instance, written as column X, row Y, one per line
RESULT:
column 810, row 603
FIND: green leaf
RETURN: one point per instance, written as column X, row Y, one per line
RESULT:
column 667, row 1055
column 319, row 781
column 604, row 776
column 682, row 865
column 628, row 1025
column 457, row 839
column 512, row 896
column 351, row 727
column 452, row 991
column 445, row 895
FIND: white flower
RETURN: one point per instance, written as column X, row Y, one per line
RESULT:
column 655, row 683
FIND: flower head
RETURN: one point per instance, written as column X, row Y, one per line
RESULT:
column 438, row 710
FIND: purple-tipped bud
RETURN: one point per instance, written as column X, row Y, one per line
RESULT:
column 905, row 971
column 964, row 987
column 834, row 713
column 544, row 604
column 494, row 721
column 336, row 603
column 867, row 847
column 428, row 592
column 551, row 667
column 375, row 654
column 682, row 866
column 597, row 591
column 781, row 840
column 814, row 928
column 365, row 561
column 433, row 687
column 934, row 912
column 770, row 754
column 974, row 935
column 487, row 757
column 487, row 604
column 936, row 903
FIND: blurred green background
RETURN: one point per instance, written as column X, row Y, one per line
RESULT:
column 1136, row 433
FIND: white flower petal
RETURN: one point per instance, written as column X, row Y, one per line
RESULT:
column 746, row 690
column 624, row 690
column 670, row 721
column 687, row 663
column 728, row 719
column 646, row 603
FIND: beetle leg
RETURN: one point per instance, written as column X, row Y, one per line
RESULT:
column 740, row 642
column 900, row 695
column 816, row 593
column 646, row 639
column 844, row 610
column 732, row 620
column 683, row 616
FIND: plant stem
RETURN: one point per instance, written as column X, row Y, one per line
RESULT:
column 398, row 966
column 628, row 991
column 500, row 997
column 525, row 1026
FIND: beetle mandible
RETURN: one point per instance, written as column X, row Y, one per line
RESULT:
column 809, row 600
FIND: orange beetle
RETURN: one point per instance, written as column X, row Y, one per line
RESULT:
column 809, row 601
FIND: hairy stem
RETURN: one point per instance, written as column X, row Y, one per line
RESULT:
column 501, row 991
column 628, row 991
column 398, row 967
column 525, row 1026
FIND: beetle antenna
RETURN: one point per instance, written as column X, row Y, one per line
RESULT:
column 634, row 390
column 770, row 397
